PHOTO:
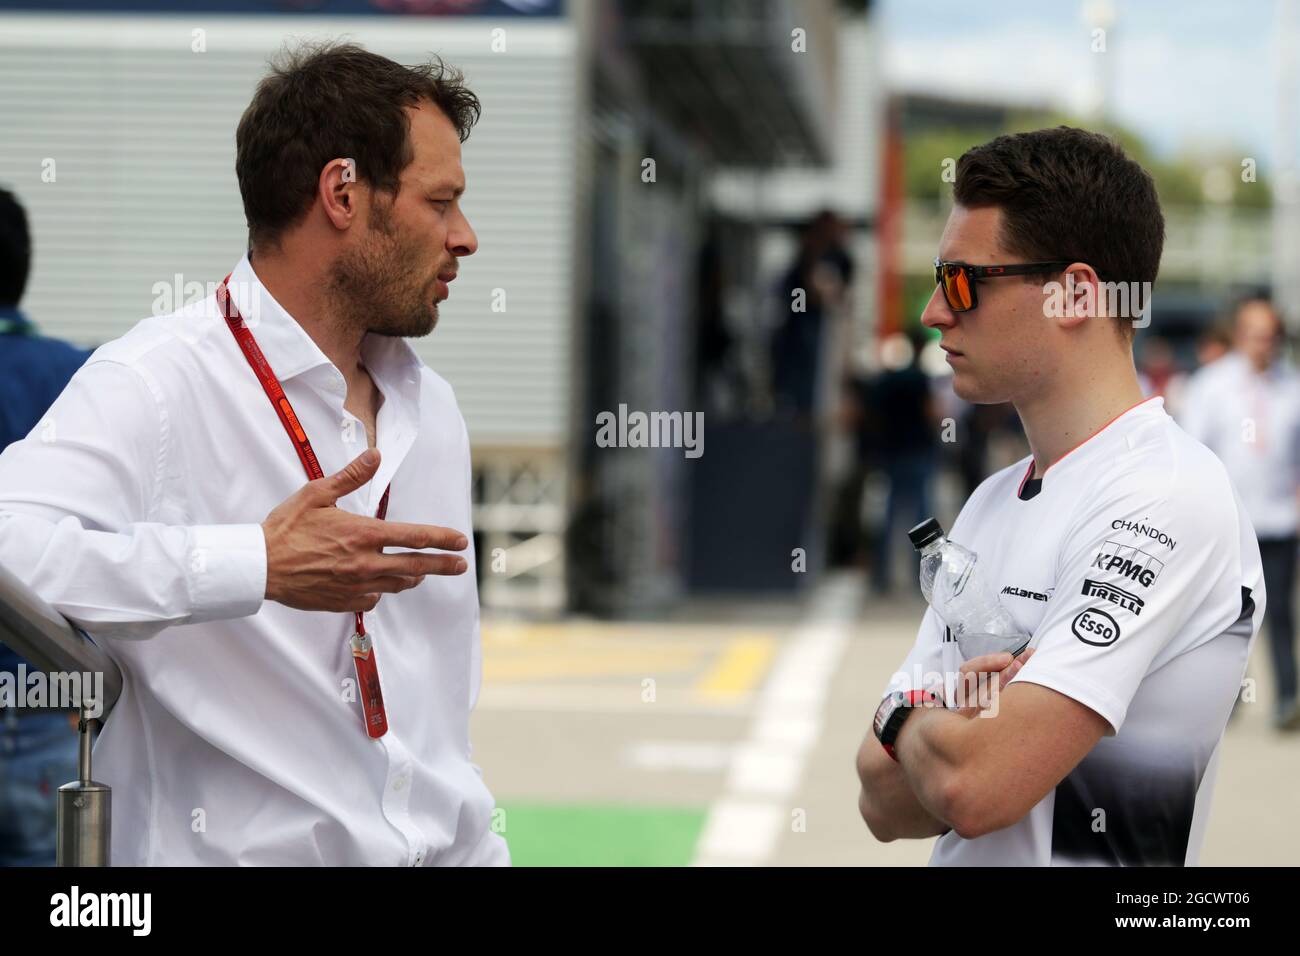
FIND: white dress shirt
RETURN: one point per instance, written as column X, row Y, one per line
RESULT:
column 135, row 509
column 1251, row 420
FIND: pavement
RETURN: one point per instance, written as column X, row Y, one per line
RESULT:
column 725, row 734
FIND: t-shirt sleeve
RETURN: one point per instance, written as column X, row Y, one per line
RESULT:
column 1144, row 571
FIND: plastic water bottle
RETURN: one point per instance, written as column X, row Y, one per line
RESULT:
column 953, row 585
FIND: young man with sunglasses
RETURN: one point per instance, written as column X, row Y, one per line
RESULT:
column 1119, row 544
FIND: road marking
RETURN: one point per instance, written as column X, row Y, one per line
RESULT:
column 525, row 666
column 744, row 826
column 738, row 669
column 738, row 832
column 696, row 755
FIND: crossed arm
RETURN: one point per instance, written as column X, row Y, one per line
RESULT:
column 972, row 774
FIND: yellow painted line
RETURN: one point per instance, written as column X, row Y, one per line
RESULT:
column 738, row 669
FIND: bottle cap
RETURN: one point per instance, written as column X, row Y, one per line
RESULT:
column 925, row 532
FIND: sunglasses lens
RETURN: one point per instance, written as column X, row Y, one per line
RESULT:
column 956, row 288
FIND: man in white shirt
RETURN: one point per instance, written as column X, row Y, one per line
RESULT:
column 1119, row 545
column 1246, row 409
column 161, row 505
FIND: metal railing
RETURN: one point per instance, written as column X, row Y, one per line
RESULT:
column 37, row 632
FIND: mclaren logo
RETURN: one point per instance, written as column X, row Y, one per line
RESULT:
column 1113, row 594
column 1024, row 593
column 1129, row 562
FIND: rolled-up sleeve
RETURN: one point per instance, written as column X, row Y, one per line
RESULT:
column 77, row 496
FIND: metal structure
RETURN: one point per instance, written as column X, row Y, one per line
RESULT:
column 49, row 641
column 519, row 517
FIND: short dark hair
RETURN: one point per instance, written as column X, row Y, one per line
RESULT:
column 1069, row 194
column 1216, row 333
column 1254, row 297
column 15, row 249
column 328, row 101
column 1258, row 298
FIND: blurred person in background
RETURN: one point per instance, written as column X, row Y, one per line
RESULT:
column 1159, row 373
column 978, row 427
column 38, row 746
column 846, row 541
column 1212, row 344
column 1246, row 408
column 815, row 284
column 902, row 415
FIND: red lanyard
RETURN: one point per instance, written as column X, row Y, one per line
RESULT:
column 361, row 643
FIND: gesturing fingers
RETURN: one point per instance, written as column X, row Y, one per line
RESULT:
column 398, row 534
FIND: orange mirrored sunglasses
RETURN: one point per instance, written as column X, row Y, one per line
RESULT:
column 958, row 278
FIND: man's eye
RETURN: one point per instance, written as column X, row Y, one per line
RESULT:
column 441, row 203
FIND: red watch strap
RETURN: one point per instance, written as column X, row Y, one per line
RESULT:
column 912, row 698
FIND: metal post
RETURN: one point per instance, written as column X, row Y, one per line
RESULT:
column 85, row 808
column 37, row 632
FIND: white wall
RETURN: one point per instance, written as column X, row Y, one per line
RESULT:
column 141, row 129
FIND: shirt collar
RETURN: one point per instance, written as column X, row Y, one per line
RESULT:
column 291, row 351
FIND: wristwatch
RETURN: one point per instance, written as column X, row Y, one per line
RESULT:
column 895, row 709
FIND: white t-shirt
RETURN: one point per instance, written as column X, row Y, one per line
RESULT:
column 1135, row 568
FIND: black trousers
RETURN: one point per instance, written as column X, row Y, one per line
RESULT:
column 1279, row 559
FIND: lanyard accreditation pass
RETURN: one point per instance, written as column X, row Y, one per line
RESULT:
column 361, row 643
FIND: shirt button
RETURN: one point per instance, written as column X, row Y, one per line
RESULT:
column 400, row 782
column 419, row 858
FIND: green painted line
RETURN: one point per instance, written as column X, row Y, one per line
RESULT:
column 586, row 835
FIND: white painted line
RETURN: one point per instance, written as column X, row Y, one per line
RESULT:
column 695, row 755
column 738, row 831
column 746, row 823
column 766, row 769
column 783, row 724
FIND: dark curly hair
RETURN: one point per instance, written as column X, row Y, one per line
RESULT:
column 1069, row 194
column 328, row 101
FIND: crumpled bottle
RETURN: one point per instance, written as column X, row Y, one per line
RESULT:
column 960, row 594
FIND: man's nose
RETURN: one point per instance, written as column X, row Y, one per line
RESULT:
column 461, row 240
column 937, row 314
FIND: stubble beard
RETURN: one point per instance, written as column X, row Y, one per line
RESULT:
column 376, row 287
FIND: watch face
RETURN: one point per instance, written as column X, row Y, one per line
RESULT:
column 887, row 707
